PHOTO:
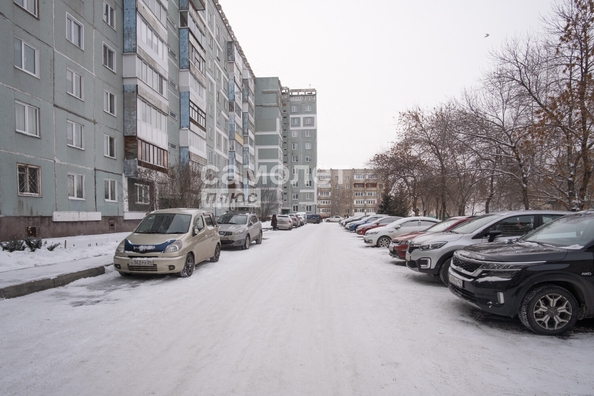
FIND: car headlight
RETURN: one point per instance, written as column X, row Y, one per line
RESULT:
column 432, row 246
column 238, row 232
column 121, row 247
column 498, row 270
column 371, row 233
column 404, row 242
column 174, row 247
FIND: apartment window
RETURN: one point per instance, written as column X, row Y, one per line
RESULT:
column 27, row 118
column 294, row 134
column 143, row 195
column 197, row 115
column 109, row 15
column 308, row 121
column 308, row 146
column 109, row 146
column 109, row 102
column 295, row 196
column 307, row 133
column 308, row 108
column 308, row 183
column 26, row 57
column 28, row 5
column 295, row 158
column 295, row 208
column 153, row 154
column 108, row 57
column 295, row 146
column 74, row 84
column 308, row 158
column 294, row 183
column 29, row 180
column 294, row 109
column 295, row 121
column 74, row 31
column 151, row 77
column 76, row 185
column 110, row 190
column 308, row 196
column 74, row 134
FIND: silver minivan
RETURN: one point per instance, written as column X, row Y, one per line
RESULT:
column 169, row 241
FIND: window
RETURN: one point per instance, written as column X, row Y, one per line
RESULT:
column 308, row 108
column 294, row 134
column 74, row 31
column 308, row 158
column 295, row 146
column 76, row 185
column 295, row 158
column 109, row 102
column 109, row 146
column 74, row 134
column 294, row 109
column 26, row 57
column 142, row 194
column 295, row 208
column 308, row 133
column 295, row 196
column 308, row 146
column 308, row 183
column 29, row 180
column 308, row 121
column 109, row 15
column 27, row 118
column 153, row 154
column 151, row 77
column 295, row 121
column 74, row 84
column 110, row 190
column 197, row 115
column 108, row 57
column 28, row 5
column 294, row 183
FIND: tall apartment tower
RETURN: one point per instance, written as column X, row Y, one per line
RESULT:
column 269, row 141
column 299, row 108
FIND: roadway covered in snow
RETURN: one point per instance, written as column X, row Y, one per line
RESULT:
column 309, row 312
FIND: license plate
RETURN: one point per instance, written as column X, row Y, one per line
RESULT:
column 456, row 281
column 407, row 256
column 140, row 263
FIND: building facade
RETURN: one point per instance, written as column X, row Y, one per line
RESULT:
column 102, row 98
column 346, row 192
column 300, row 149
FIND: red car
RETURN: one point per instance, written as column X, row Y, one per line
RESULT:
column 399, row 244
column 375, row 224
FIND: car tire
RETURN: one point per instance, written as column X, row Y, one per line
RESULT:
column 259, row 239
column 549, row 310
column 124, row 273
column 188, row 267
column 384, row 241
column 247, row 243
column 444, row 271
column 217, row 254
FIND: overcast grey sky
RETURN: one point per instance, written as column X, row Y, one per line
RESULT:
column 370, row 60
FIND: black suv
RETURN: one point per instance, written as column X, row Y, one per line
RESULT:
column 546, row 277
column 314, row 218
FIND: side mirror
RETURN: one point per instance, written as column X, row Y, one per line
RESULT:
column 492, row 235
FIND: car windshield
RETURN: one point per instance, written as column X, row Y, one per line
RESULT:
column 571, row 232
column 233, row 219
column 470, row 226
column 444, row 225
column 164, row 223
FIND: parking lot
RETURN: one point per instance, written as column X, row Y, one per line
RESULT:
column 312, row 311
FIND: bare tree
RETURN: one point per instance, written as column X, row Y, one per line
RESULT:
column 182, row 187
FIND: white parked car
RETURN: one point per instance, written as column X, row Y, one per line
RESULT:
column 383, row 236
column 334, row 219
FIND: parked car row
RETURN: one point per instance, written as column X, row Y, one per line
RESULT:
column 535, row 265
column 173, row 241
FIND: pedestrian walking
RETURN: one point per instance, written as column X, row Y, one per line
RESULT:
column 273, row 222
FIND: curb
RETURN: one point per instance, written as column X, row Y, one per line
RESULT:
column 50, row 283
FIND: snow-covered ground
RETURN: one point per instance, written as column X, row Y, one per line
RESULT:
column 309, row 312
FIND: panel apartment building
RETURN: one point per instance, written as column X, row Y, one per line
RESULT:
column 346, row 192
column 101, row 98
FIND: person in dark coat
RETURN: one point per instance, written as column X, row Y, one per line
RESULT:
column 273, row 222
